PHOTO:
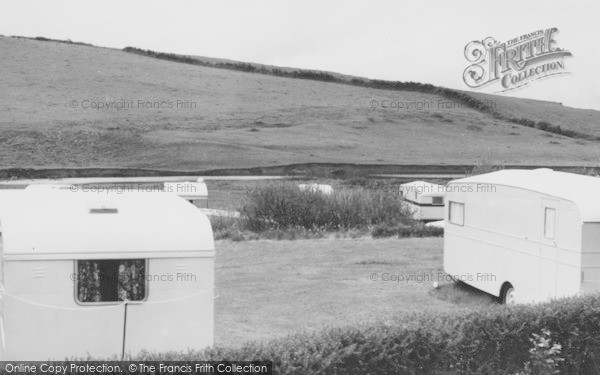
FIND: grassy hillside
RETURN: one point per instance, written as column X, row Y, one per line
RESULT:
column 545, row 115
column 243, row 119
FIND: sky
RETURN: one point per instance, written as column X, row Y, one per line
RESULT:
column 416, row 40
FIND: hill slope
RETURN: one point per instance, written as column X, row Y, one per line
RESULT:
column 236, row 119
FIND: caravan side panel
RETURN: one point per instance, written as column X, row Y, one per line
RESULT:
column 178, row 313
column 590, row 258
column 42, row 321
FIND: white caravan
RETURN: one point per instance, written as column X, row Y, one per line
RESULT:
column 524, row 235
column 322, row 188
column 103, row 274
column 195, row 192
column 424, row 199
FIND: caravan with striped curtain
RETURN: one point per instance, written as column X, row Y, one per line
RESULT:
column 103, row 274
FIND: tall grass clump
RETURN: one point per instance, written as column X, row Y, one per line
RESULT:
column 229, row 228
column 285, row 205
column 590, row 171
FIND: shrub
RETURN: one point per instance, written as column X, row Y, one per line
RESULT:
column 545, row 356
column 43, row 39
column 285, row 205
column 594, row 172
column 226, row 228
column 223, row 223
column 284, row 211
column 494, row 340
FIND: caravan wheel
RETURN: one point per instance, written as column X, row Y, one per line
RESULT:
column 508, row 294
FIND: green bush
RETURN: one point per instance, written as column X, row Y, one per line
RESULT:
column 285, row 205
column 495, row 340
column 43, row 39
column 284, row 211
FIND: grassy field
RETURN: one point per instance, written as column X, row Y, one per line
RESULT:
column 244, row 119
column 269, row 289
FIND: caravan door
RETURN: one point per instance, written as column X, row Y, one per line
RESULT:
column 548, row 247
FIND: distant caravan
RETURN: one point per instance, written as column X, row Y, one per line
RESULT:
column 425, row 200
column 524, row 235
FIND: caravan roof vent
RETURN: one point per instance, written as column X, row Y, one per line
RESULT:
column 103, row 208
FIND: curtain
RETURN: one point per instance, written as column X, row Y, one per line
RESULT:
column 111, row 280
column 131, row 284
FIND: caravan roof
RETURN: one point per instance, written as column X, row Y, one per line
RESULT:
column 582, row 190
column 422, row 188
column 59, row 223
column 188, row 189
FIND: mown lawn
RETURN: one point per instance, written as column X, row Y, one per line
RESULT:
column 268, row 289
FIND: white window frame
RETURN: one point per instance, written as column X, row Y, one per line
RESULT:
column 75, row 276
column 453, row 220
column 549, row 226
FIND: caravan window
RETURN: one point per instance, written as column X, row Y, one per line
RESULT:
column 549, row 222
column 456, row 213
column 111, row 280
column 437, row 201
